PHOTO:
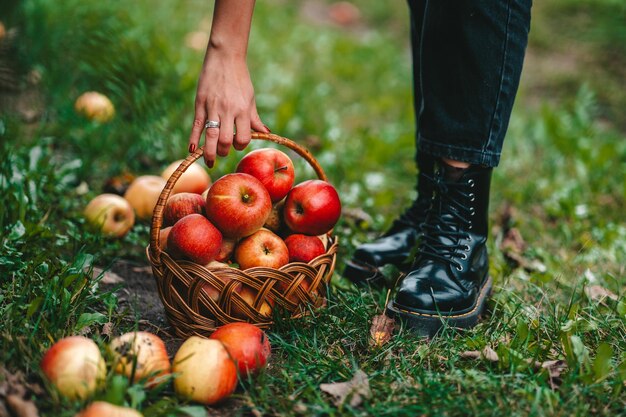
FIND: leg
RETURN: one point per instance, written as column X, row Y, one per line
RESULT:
column 472, row 53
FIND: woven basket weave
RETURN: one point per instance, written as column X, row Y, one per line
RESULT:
column 296, row 287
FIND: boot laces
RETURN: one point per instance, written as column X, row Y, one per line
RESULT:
column 448, row 222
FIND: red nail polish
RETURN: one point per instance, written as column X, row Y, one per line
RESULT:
column 192, row 148
column 268, row 129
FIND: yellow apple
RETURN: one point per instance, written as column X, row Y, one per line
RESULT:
column 95, row 106
column 111, row 213
column 195, row 180
column 143, row 194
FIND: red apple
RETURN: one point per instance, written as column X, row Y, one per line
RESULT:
column 143, row 194
column 210, row 290
column 95, row 106
column 249, row 295
column 262, row 248
column 74, row 366
column 304, row 248
column 163, row 235
column 226, row 250
column 194, row 180
column 181, row 204
column 205, row 372
column 247, row 344
column 312, row 207
column 104, row 409
column 272, row 167
column 195, row 238
column 275, row 221
column 111, row 213
column 238, row 204
column 140, row 355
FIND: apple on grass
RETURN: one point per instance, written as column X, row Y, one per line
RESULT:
column 74, row 366
column 141, row 355
column 262, row 248
column 95, row 106
column 195, row 180
column 238, row 205
column 312, row 208
column 111, row 213
column 248, row 345
column 204, row 371
column 104, row 409
column 195, row 238
column 272, row 167
column 143, row 194
column 181, row 204
column 304, row 248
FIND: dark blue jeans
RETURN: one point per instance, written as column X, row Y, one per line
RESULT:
column 467, row 61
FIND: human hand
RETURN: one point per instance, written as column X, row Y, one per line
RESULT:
column 225, row 94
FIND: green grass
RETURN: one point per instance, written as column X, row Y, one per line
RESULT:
column 346, row 95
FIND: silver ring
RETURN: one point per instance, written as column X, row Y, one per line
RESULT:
column 211, row 123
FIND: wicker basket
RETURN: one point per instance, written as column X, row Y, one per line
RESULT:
column 295, row 288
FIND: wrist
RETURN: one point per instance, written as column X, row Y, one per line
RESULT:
column 219, row 46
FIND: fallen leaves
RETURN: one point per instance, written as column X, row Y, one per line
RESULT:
column 15, row 394
column 381, row 330
column 354, row 391
column 599, row 293
column 487, row 354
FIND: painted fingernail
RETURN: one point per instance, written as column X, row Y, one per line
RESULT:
column 210, row 164
column 268, row 129
column 192, row 148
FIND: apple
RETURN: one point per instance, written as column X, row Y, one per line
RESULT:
column 262, row 248
column 248, row 346
column 205, row 193
column 304, row 248
column 205, row 372
column 238, row 205
column 226, row 250
column 140, row 355
column 181, row 204
column 143, row 194
column 194, row 180
column 275, row 221
column 210, row 290
column 111, row 213
column 249, row 295
column 312, row 207
column 95, row 106
column 3, row 31
column 104, row 409
column 272, row 167
column 195, row 238
column 163, row 235
column 74, row 366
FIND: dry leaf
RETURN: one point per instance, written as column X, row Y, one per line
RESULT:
column 107, row 329
column 381, row 330
column 599, row 293
column 555, row 369
column 21, row 407
column 358, row 388
column 108, row 277
column 489, row 354
column 513, row 242
column 470, row 354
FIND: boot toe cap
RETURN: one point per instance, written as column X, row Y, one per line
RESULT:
column 425, row 296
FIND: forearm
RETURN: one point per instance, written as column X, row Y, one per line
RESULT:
column 231, row 27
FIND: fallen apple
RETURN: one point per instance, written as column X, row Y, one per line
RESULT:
column 104, row 409
column 95, row 106
column 248, row 346
column 143, row 194
column 112, row 214
column 181, row 204
column 194, row 180
column 312, row 208
column 204, row 371
column 304, row 248
column 139, row 356
column 238, row 205
column 272, row 167
column 195, row 238
column 74, row 366
column 262, row 248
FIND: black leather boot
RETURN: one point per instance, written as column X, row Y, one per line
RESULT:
column 398, row 243
column 449, row 279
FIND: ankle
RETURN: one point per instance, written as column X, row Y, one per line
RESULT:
column 456, row 164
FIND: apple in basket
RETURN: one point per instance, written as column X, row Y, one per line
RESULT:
column 272, row 167
column 140, row 355
column 275, row 220
column 181, row 204
column 249, row 295
column 195, row 180
column 226, row 250
column 195, row 238
column 74, row 366
column 104, row 409
column 111, row 213
column 262, row 248
column 312, row 207
column 248, row 345
column 304, row 248
column 204, row 371
column 238, row 205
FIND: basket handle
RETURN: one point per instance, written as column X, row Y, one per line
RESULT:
column 157, row 215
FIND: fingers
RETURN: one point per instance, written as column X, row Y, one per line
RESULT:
column 256, row 123
column 196, row 129
column 212, row 137
column 242, row 137
column 225, row 135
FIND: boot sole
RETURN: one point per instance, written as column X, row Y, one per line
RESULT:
column 361, row 273
column 427, row 325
